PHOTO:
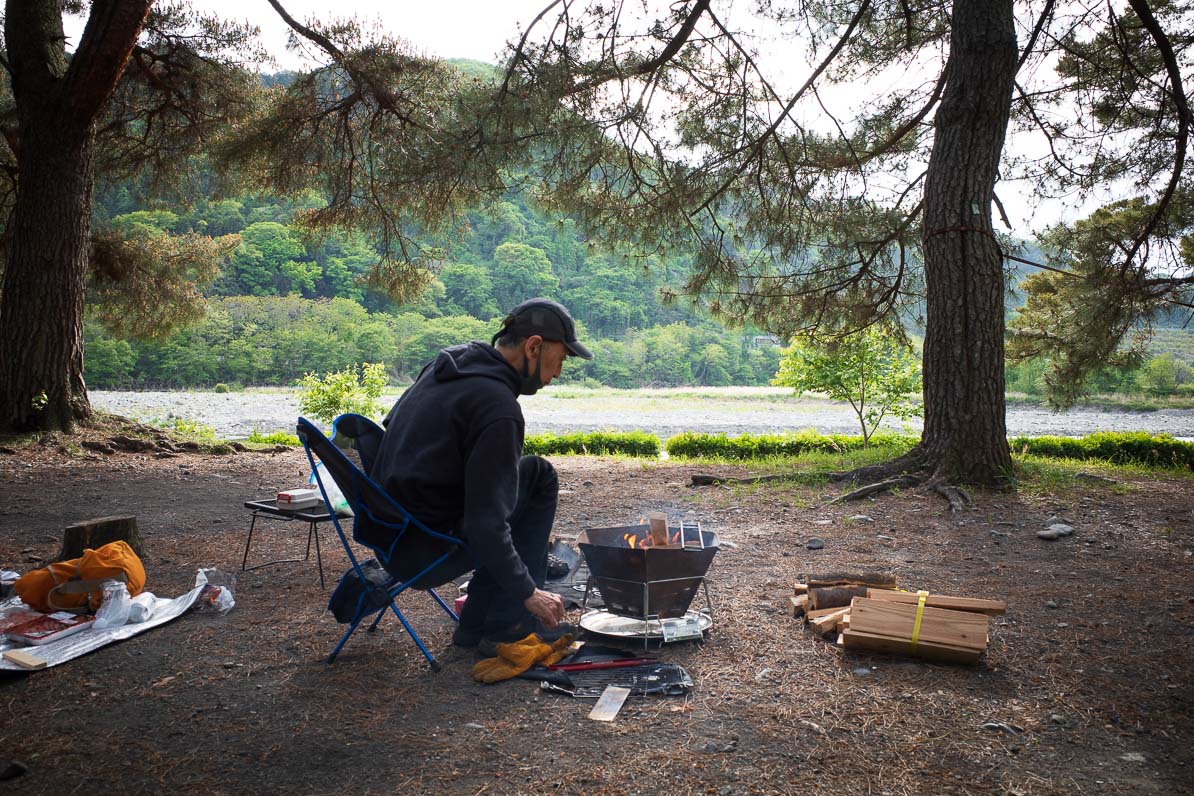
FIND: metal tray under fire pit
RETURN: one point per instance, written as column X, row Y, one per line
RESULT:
column 647, row 583
column 605, row 623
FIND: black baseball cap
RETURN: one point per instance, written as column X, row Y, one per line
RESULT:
column 548, row 319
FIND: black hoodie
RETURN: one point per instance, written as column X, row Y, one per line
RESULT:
column 450, row 456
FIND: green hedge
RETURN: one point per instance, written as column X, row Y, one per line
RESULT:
column 1131, row 447
column 595, row 443
column 751, row 446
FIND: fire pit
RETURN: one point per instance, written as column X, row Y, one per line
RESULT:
column 644, row 581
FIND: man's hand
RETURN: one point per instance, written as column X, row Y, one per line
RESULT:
column 547, row 607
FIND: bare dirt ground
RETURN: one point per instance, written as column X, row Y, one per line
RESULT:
column 1100, row 685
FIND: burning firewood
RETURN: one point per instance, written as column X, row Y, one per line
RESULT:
column 658, row 523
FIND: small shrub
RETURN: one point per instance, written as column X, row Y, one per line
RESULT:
column 191, row 429
column 594, row 443
column 274, row 438
column 325, row 398
column 221, row 388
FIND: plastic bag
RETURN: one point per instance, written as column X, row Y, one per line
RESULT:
column 114, row 610
column 217, row 591
column 339, row 503
column 144, row 604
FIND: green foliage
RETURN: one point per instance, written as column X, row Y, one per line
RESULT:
column 521, row 272
column 761, row 446
column 348, row 390
column 1160, row 450
column 874, row 371
column 147, row 283
column 436, row 334
column 469, row 290
column 221, row 387
column 1078, row 321
column 594, row 443
column 274, row 438
column 191, row 430
column 1159, row 375
column 109, row 362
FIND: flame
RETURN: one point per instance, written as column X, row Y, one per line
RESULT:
column 633, row 540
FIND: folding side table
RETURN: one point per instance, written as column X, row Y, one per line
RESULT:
column 269, row 509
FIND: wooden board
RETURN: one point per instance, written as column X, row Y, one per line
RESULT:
column 658, row 524
column 941, row 601
column 24, row 659
column 809, row 614
column 938, row 625
column 828, row 622
column 797, row 605
column 799, row 589
column 855, row 640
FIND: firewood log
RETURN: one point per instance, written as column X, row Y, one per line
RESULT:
column 834, row 596
column 879, row 580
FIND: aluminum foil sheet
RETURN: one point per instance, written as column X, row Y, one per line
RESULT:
column 89, row 640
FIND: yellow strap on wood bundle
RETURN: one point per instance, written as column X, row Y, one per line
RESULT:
column 920, row 613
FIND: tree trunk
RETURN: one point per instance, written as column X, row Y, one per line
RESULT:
column 965, row 432
column 57, row 103
column 91, row 534
column 41, row 318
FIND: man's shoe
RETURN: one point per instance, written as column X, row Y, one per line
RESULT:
column 487, row 646
column 466, row 636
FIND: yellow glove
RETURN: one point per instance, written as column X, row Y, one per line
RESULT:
column 518, row 656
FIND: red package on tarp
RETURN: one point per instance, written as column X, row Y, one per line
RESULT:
column 44, row 628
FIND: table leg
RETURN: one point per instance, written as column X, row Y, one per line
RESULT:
column 245, row 558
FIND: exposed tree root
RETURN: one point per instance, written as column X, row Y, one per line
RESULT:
column 958, row 497
column 801, row 478
column 902, row 482
column 913, row 469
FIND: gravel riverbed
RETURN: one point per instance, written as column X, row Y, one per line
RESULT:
column 732, row 410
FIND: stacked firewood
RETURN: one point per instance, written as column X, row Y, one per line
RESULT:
column 867, row 613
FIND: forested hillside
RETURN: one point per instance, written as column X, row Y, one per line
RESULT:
column 282, row 305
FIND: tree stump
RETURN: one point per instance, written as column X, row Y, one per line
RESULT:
column 98, row 532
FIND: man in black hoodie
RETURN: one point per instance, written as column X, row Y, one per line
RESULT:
column 452, row 455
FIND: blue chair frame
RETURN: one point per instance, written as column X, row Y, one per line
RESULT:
column 379, row 523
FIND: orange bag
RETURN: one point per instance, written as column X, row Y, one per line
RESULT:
column 76, row 585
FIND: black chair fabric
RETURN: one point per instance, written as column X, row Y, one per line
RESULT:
column 380, row 522
column 405, row 547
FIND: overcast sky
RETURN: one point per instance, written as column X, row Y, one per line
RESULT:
column 447, row 28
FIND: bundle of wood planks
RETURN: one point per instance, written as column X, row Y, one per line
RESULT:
column 867, row 613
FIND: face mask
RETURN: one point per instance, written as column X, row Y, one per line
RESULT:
column 532, row 382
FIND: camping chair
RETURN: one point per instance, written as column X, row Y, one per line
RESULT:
column 379, row 522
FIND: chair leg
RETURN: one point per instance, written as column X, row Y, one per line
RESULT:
column 444, row 605
column 415, row 636
column 377, row 619
column 318, row 556
column 344, row 638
